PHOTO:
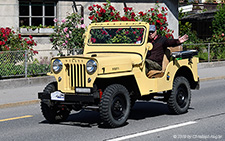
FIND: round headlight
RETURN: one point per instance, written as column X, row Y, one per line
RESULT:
column 57, row 66
column 91, row 66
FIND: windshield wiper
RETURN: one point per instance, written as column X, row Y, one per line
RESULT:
column 106, row 32
column 132, row 29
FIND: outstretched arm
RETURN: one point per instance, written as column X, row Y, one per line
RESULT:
column 175, row 42
column 183, row 38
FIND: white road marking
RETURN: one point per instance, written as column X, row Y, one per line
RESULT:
column 152, row 131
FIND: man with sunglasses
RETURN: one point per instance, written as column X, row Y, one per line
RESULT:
column 160, row 43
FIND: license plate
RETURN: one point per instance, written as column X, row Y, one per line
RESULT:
column 57, row 95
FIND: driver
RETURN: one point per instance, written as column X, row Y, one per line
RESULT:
column 160, row 43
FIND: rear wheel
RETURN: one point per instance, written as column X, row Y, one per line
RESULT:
column 115, row 105
column 52, row 111
column 180, row 96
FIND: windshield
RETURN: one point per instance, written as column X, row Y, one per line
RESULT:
column 110, row 35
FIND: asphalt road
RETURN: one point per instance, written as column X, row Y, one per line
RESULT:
column 148, row 121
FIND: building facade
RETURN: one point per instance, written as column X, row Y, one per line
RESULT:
column 18, row 13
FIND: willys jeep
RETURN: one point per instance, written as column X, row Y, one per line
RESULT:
column 110, row 75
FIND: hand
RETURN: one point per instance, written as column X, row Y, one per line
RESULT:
column 183, row 38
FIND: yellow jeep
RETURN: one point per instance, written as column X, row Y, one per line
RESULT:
column 110, row 75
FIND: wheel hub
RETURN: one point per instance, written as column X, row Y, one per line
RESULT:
column 118, row 107
column 181, row 97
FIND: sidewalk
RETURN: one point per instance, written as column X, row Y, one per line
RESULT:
column 23, row 91
column 211, row 70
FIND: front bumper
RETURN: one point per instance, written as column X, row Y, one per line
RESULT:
column 69, row 97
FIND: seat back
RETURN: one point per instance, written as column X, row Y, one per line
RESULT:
column 168, row 52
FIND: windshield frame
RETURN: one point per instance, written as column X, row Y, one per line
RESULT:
column 89, row 43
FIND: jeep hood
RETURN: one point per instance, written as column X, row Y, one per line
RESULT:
column 117, row 63
column 110, row 62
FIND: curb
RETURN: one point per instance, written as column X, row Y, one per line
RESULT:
column 20, row 82
column 211, row 64
column 212, row 78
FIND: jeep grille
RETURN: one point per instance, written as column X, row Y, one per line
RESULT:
column 77, row 75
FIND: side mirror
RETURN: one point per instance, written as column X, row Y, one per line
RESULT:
column 149, row 46
column 85, row 35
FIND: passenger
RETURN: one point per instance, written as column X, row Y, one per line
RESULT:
column 160, row 43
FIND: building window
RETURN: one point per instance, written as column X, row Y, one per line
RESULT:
column 34, row 13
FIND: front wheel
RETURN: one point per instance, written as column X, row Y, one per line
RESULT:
column 52, row 111
column 180, row 97
column 115, row 105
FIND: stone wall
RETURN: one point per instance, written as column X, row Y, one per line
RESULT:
column 9, row 13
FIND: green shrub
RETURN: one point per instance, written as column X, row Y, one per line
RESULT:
column 10, row 69
column 218, row 38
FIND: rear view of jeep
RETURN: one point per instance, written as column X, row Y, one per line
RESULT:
column 110, row 76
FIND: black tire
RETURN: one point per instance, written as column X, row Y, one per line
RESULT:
column 51, row 110
column 180, row 97
column 115, row 105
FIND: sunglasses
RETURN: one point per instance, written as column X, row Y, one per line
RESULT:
column 151, row 32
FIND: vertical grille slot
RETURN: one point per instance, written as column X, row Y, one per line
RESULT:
column 84, row 75
column 71, row 76
column 77, row 75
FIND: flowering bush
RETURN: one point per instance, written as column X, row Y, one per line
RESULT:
column 153, row 16
column 157, row 17
column 11, row 41
column 103, row 13
column 68, row 33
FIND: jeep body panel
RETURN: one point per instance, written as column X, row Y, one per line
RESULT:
column 165, row 83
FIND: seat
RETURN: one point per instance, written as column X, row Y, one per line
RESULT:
column 165, row 62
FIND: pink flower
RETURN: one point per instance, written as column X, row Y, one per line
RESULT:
column 70, row 32
column 222, row 34
column 64, row 44
column 65, row 29
column 82, row 19
column 66, row 41
column 67, row 35
column 82, row 26
column 63, row 20
column 55, row 20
